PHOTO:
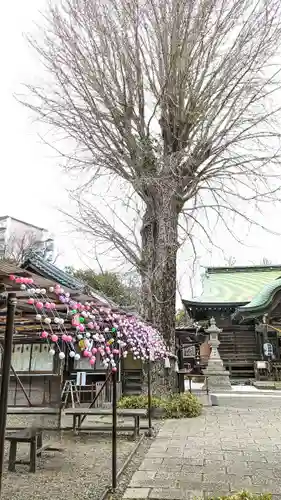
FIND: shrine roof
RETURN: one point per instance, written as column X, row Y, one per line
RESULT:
column 261, row 301
column 234, row 286
column 36, row 264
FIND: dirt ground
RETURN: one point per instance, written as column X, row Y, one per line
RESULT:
column 81, row 470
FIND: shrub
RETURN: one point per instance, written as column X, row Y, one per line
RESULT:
column 184, row 405
column 140, row 401
column 244, row 495
column 176, row 406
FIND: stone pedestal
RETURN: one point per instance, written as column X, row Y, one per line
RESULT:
column 217, row 377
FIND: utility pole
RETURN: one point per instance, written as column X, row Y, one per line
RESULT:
column 5, row 375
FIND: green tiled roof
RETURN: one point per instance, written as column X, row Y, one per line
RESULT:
column 236, row 285
column 263, row 298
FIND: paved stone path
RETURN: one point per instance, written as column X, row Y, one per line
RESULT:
column 224, row 450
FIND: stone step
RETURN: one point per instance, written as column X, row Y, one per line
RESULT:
column 246, row 400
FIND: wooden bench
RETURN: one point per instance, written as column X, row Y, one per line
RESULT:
column 33, row 411
column 79, row 413
column 34, row 438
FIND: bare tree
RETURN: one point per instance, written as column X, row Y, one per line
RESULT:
column 265, row 262
column 176, row 99
column 19, row 246
column 230, row 261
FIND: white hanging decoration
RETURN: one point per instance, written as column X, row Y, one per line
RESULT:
column 176, row 366
column 38, row 317
column 52, row 352
column 51, row 289
column 47, row 321
column 61, row 355
column 167, row 363
column 23, row 286
column 77, row 357
column 72, row 354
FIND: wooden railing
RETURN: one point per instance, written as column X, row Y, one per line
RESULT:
column 105, row 395
column 34, row 390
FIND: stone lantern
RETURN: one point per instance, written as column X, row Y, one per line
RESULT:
column 217, row 377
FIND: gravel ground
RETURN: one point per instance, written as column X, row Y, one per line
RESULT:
column 81, row 471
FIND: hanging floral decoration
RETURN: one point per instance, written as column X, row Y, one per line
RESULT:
column 95, row 329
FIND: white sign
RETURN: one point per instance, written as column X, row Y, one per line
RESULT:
column 261, row 365
column 81, row 378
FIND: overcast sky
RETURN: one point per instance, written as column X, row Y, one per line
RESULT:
column 33, row 186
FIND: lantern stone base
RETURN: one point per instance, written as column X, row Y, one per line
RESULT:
column 218, row 381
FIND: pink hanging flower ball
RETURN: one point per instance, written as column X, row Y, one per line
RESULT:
column 94, row 350
column 39, row 305
column 54, row 338
column 92, row 361
column 114, row 369
column 91, row 325
column 12, row 277
column 53, row 305
column 115, row 351
column 69, row 338
column 44, row 335
column 81, row 328
column 30, row 301
column 65, row 337
column 47, row 305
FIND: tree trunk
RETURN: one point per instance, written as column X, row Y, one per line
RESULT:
column 159, row 255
